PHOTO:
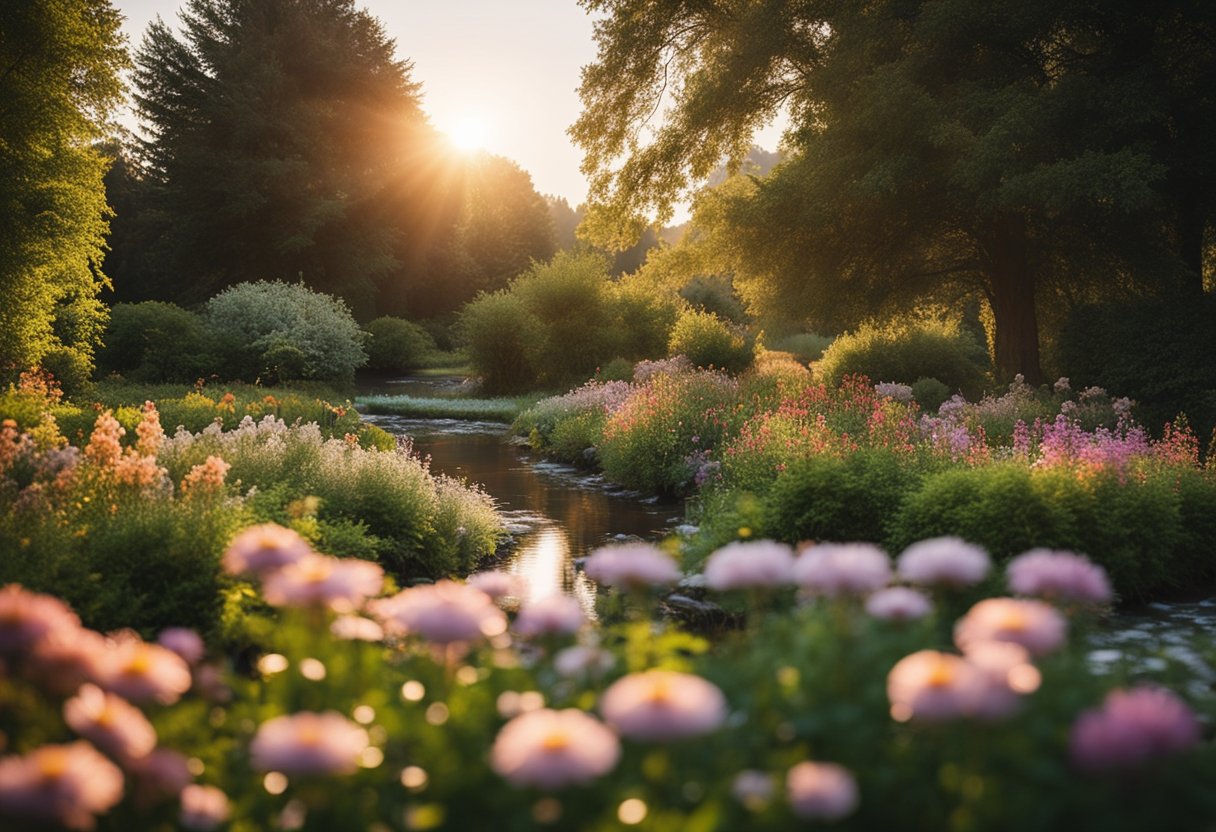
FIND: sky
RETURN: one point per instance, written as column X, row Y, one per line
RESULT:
column 508, row 69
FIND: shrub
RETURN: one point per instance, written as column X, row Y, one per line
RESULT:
column 643, row 316
column 277, row 331
column 930, row 393
column 907, row 352
column 396, row 345
column 708, row 341
column 501, row 336
column 805, row 346
column 618, row 369
column 715, row 294
column 154, row 342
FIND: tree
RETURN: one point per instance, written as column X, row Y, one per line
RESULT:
column 59, row 81
column 937, row 146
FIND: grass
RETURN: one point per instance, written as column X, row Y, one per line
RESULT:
column 503, row 409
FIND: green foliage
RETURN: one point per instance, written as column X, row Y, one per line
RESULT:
column 153, row 342
column 930, row 393
column 71, row 368
column 643, row 316
column 500, row 409
column 904, row 353
column 501, row 334
column 806, row 346
column 397, row 345
column 275, row 330
column 708, row 341
column 715, row 294
column 60, row 83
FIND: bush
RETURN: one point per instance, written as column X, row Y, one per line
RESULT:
column 642, row 317
column 930, row 394
column 805, row 346
column 904, row 353
column 708, row 341
column 153, row 342
column 276, row 331
column 71, row 368
column 396, row 345
column 502, row 336
column 715, row 294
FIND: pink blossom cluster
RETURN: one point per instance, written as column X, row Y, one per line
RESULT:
column 1133, row 727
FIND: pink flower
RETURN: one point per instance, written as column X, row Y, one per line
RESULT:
column 552, row 615
column 898, row 603
column 66, row 659
column 663, row 705
column 65, row 784
column 549, row 749
column 821, row 791
column 747, row 565
column 583, row 661
column 308, row 743
column 632, row 566
column 142, row 672
column 356, row 628
column 950, row 561
column 110, row 723
column 753, row 788
column 935, row 687
column 261, row 549
column 184, row 642
column 832, row 569
column 159, row 775
column 1062, row 576
column 203, row 807
column 1009, row 673
column 341, row 584
column 1037, row 626
column 444, row 613
column 28, row 617
column 1132, row 727
column 499, row 584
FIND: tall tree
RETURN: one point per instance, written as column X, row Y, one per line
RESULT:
column 936, row 143
column 59, row 82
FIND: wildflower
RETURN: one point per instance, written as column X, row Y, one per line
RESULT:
column 1062, row 385
column 444, row 613
column 582, row 660
column 66, row 658
column 832, row 569
column 110, row 723
column 184, row 642
column 821, row 791
column 159, row 775
column 64, row 784
column 1037, row 626
column 663, row 705
column 1009, row 673
column 898, row 603
column 206, row 478
column 341, row 584
column 1132, row 727
column 550, row 749
column 499, row 584
column 356, row 628
column 105, row 448
column 632, row 566
column 27, row 618
column 552, row 615
column 149, row 431
column 934, row 687
column 1062, row 576
column 142, row 672
column 308, row 743
column 747, row 565
column 260, row 549
column 203, row 807
column 948, row 561
column 894, row 390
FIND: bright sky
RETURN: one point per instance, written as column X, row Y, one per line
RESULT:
column 507, row 70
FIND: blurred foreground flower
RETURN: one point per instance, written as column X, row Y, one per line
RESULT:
column 110, row 722
column 499, row 584
column 551, row 615
column 832, row 569
column 308, row 743
column 1037, row 626
column 632, row 566
column 898, row 603
column 749, row 565
column 663, row 705
column 64, row 784
column 184, row 642
column 821, row 791
column 443, row 613
column 203, row 807
column 28, row 617
column 945, row 561
column 1058, row 576
column 341, row 584
column 935, row 687
column 261, row 549
column 1132, row 727
column 550, row 749
column 142, row 672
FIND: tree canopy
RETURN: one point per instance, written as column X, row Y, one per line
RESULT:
column 59, row 82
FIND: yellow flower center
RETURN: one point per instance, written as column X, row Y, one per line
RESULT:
column 556, row 741
column 140, row 662
column 1013, row 619
column 310, row 734
column 942, row 674
column 53, row 763
column 660, row 691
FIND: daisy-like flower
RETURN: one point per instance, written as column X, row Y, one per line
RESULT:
column 935, row 687
column 159, row 775
column 550, row 749
column 264, row 548
column 1010, row 675
column 944, row 561
column 356, row 628
column 308, row 743
column 28, row 617
column 442, row 613
column 66, row 659
column 1058, row 576
column 499, row 584
column 142, row 672
column 110, row 722
column 663, row 705
column 64, row 784
column 203, row 807
column 832, row 569
column 551, row 615
column 631, row 566
column 898, row 603
column 1133, row 727
column 341, row 584
column 821, row 791
column 184, row 642
column 750, row 565
column 583, row 660
column 1037, row 626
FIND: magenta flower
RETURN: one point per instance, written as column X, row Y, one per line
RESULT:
column 261, row 549
column 443, row 613
column 142, row 672
column 1058, row 576
column 1133, row 727
column 947, row 561
column 110, row 723
column 64, row 784
column 203, row 807
column 551, row 615
column 821, row 791
column 549, row 749
column 750, row 565
column 184, row 642
column 935, row 687
column 341, row 584
column 1037, row 626
column 663, row 705
column 632, row 566
column 28, row 617
column 308, row 743
column 898, row 603
column 832, row 569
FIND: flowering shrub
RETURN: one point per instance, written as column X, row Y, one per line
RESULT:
column 904, row 353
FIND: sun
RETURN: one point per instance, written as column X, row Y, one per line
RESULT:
column 469, row 133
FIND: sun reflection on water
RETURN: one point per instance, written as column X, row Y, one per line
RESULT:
column 543, row 560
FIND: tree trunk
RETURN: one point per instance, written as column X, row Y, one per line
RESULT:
column 1011, row 291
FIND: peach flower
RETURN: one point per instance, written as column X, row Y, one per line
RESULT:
column 28, row 617
column 446, row 612
column 142, row 672
column 308, row 743
column 341, row 584
column 549, row 749
column 821, row 791
column 1037, row 626
column 203, row 807
column 110, row 722
column 261, row 549
column 935, row 687
column 64, row 784
column 663, row 705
